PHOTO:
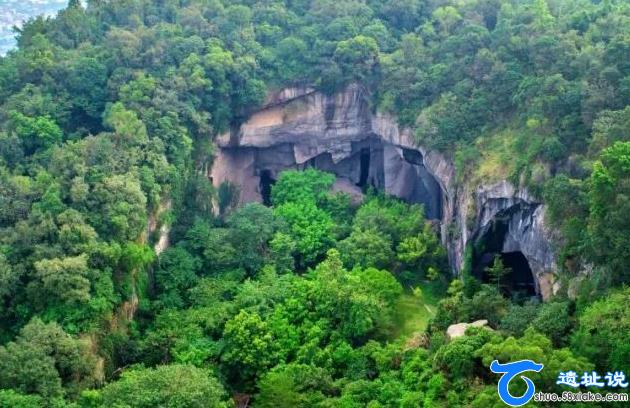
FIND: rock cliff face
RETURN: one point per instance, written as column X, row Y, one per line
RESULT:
column 298, row 128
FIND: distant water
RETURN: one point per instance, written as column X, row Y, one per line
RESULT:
column 14, row 12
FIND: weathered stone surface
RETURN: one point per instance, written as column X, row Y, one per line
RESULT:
column 163, row 241
column 301, row 128
column 285, row 95
column 526, row 229
column 237, row 166
column 298, row 128
column 459, row 329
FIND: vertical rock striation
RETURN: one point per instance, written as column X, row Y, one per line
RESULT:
column 298, row 128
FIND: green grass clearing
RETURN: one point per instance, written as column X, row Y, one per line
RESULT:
column 414, row 310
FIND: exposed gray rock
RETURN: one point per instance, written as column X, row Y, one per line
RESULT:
column 458, row 330
column 526, row 231
column 301, row 128
column 298, row 128
column 163, row 241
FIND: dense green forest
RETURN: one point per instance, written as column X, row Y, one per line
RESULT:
column 107, row 119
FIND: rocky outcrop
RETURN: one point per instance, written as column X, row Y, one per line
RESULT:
column 338, row 133
column 298, row 128
column 458, row 330
column 523, row 229
column 163, row 229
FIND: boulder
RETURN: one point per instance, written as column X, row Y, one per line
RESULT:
column 459, row 329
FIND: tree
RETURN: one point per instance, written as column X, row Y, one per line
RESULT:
column 391, row 217
column 357, row 303
column 300, row 186
column 358, row 58
column 294, row 385
column 118, row 207
column 447, row 17
column 251, row 228
column 458, row 357
column 9, row 280
column 169, row 386
column 609, row 205
column 37, row 133
column 554, row 321
column 29, row 370
column 87, row 82
column 533, row 346
column 600, row 335
column 487, row 303
column 290, row 54
column 423, row 252
column 518, row 318
column 608, row 128
column 128, row 129
column 39, row 58
column 251, row 347
column 12, row 399
column 497, row 271
column 365, row 248
column 282, row 252
column 65, row 279
column 310, row 227
column 75, row 360
column 177, row 272
column 43, row 358
column 109, row 111
column 75, row 235
column 403, row 14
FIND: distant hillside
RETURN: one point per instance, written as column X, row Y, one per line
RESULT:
column 14, row 12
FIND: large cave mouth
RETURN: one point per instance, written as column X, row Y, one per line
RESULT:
column 517, row 279
column 367, row 163
column 266, row 182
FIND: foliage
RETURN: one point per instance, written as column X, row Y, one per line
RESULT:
column 108, row 117
column 536, row 347
column 305, row 186
column 309, row 226
column 600, row 333
column 609, row 205
column 497, row 271
column 43, row 358
column 169, row 386
column 519, row 317
column 251, row 346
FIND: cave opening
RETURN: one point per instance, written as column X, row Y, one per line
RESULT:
column 517, row 278
column 364, row 172
column 521, row 279
column 413, row 157
column 370, row 163
column 266, row 182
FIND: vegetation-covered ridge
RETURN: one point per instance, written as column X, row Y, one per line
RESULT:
column 107, row 120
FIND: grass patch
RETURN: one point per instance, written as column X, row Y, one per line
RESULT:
column 414, row 310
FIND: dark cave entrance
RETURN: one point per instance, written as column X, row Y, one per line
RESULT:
column 364, row 168
column 519, row 279
column 413, row 157
column 266, row 181
column 371, row 163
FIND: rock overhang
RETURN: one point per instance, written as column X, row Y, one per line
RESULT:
column 300, row 127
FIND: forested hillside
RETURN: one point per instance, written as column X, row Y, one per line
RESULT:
column 108, row 115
